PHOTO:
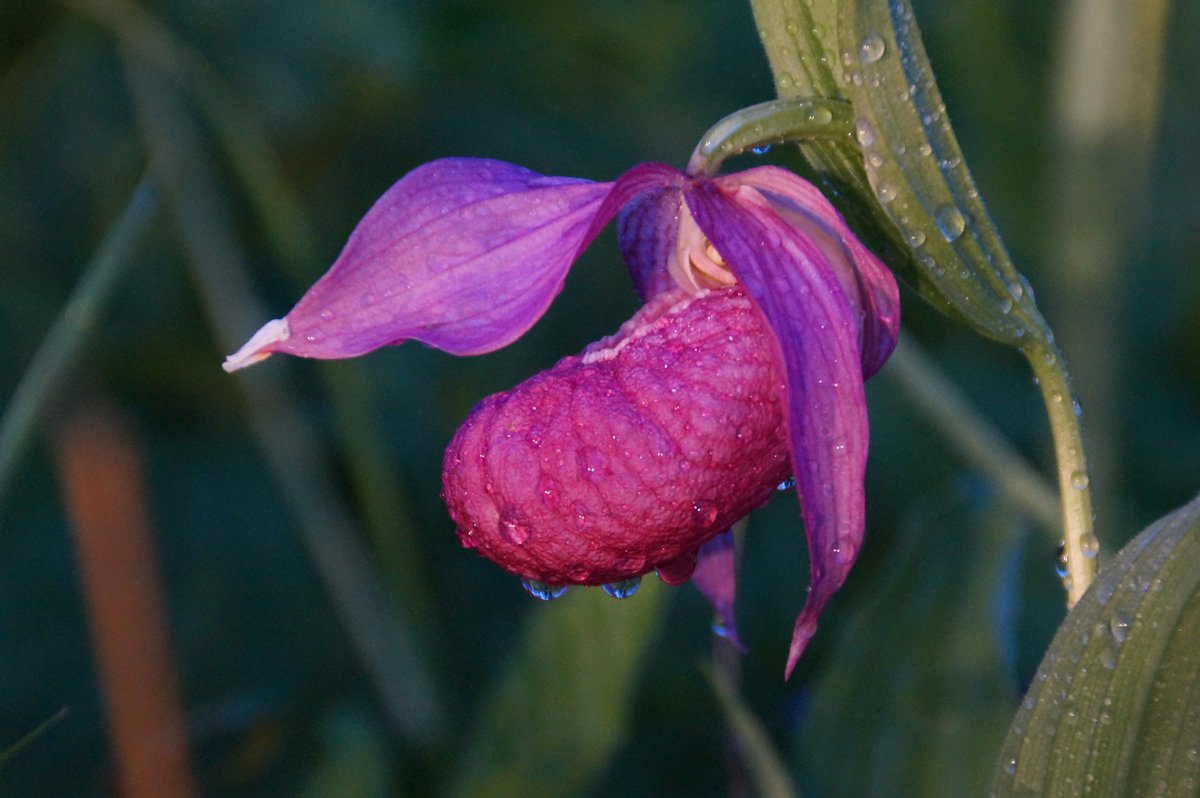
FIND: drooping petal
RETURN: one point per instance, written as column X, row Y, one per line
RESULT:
column 462, row 254
column 816, row 337
column 863, row 275
column 716, row 577
column 629, row 456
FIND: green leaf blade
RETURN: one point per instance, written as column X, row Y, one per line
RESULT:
column 1115, row 706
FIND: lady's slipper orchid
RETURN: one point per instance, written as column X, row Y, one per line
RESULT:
column 763, row 315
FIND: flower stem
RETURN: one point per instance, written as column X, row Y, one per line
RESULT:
column 768, row 123
column 1080, row 544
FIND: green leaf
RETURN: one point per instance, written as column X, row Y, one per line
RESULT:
column 902, row 182
column 918, row 694
column 561, row 709
column 1115, row 706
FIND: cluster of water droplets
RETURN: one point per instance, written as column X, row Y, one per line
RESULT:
column 547, row 592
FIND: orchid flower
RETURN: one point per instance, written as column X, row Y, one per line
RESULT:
column 762, row 317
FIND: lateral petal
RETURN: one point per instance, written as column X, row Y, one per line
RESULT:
column 865, row 277
column 814, row 325
column 462, row 254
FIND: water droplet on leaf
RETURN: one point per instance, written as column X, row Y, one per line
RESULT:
column 864, row 133
column 950, row 222
column 871, row 48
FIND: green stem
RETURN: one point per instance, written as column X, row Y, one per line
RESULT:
column 768, row 123
column 71, row 331
column 1080, row 545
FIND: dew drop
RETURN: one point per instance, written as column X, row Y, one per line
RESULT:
column 326, row 314
column 623, row 589
column 1060, row 563
column 1079, row 480
column 916, row 238
column 1010, row 767
column 720, row 629
column 1089, row 544
column 787, row 484
column 950, row 222
column 822, row 116
column 704, row 512
column 1119, row 626
column 871, row 48
column 513, row 530
column 763, row 150
column 541, row 590
column 887, row 192
column 864, row 133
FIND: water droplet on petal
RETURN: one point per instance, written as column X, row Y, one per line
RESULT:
column 704, row 512
column 326, row 314
column 513, row 530
column 787, row 484
column 950, row 222
column 871, row 48
column 541, row 590
column 623, row 589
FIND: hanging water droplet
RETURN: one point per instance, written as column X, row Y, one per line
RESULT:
column 871, row 48
column 787, row 484
column 864, row 133
column 623, row 589
column 761, row 150
column 1089, row 544
column 541, row 590
column 1060, row 566
column 1079, row 480
column 950, row 222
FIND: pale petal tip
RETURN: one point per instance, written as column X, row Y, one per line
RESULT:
column 254, row 350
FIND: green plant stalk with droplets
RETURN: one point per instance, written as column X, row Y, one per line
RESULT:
column 896, row 172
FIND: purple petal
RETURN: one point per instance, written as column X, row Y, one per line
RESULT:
column 791, row 280
column 716, row 577
column 462, row 254
column 646, row 232
column 862, row 274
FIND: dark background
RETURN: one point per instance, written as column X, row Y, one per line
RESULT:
column 921, row 660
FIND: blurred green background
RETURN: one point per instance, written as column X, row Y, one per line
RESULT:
column 419, row 668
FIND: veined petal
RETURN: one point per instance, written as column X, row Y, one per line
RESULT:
column 646, row 232
column 864, row 276
column 814, row 324
column 462, row 254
